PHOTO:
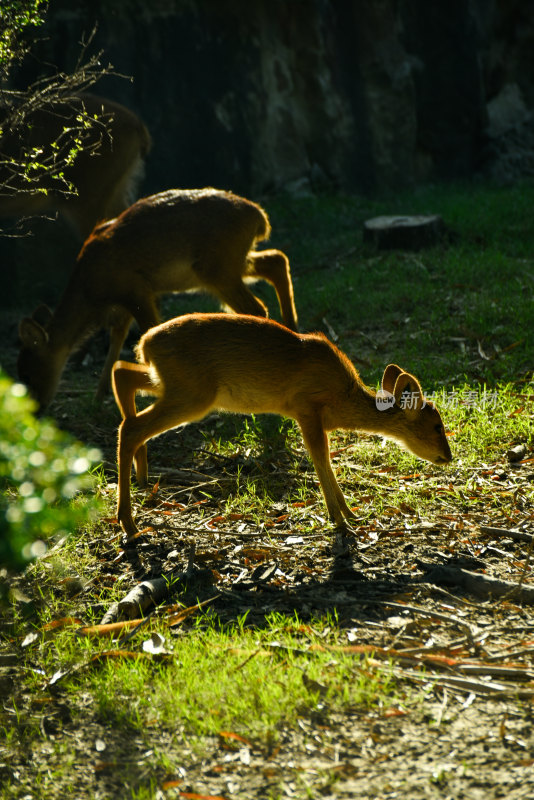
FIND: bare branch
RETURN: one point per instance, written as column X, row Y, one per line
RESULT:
column 31, row 165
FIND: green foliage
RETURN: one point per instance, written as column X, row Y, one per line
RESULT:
column 221, row 690
column 42, row 473
column 15, row 17
column 43, row 167
column 460, row 311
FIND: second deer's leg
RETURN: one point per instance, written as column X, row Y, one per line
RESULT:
column 145, row 312
column 316, row 440
column 239, row 298
column 119, row 325
column 273, row 267
column 143, row 308
column 222, row 275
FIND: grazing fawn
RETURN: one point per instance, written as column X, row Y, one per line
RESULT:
column 202, row 362
column 175, row 241
column 104, row 174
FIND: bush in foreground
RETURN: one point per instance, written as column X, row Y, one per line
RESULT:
column 45, row 476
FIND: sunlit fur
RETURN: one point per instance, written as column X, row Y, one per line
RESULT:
column 203, row 362
column 175, row 241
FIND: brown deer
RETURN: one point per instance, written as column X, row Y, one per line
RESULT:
column 105, row 173
column 176, row 241
column 203, row 362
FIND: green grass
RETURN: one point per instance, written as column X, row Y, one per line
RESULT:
column 459, row 317
column 247, row 687
column 426, row 310
column 255, row 685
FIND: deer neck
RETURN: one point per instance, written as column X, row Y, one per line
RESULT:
column 360, row 411
column 71, row 323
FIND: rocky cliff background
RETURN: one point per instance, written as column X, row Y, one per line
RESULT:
column 266, row 95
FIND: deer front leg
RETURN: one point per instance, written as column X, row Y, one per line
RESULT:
column 316, row 440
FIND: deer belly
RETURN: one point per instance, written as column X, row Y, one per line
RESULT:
column 247, row 400
column 176, row 276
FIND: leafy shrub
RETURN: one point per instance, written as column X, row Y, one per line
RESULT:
column 44, row 478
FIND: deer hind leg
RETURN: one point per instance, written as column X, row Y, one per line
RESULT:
column 316, row 440
column 273, row 267
column 119, row 325
column 135, row 431
column 128, row 379
column 222, row 275
column 239, row 298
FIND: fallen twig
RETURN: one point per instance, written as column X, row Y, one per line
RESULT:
column 153, row 592
column 484, row 688
column 437, row 615
column 511, row 532
column 504, row 673
column 480, row 585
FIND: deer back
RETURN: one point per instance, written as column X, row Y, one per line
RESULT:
column 105, row 173
column 176, row 240
column 248, row 364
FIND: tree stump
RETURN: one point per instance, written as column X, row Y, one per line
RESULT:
column 403, row 232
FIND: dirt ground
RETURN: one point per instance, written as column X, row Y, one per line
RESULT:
column 403, row 592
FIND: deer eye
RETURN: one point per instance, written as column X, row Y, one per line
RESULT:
column 438, row 428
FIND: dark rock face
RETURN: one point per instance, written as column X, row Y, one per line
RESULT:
column 269, row 95
column 444, row 42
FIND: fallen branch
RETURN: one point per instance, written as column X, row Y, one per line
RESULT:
column 513, row 534
column 427, row 612
column 481, row 688
column 480, row 585
column 153, row 592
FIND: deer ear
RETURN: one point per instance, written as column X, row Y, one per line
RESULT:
column 42, row 315
column 408, row 393
column 31, row 333
column 391, row 373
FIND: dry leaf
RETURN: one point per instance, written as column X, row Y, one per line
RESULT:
column 109, row 628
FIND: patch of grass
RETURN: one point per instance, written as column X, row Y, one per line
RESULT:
column 259, row 682
column 430, row 310
column 483, row 425
column 244, row 686
column 263, row 452
column 459, row 317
